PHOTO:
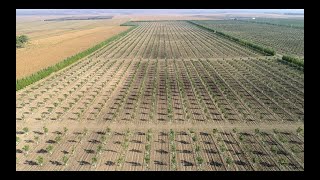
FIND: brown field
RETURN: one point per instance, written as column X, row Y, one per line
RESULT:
column 162, row 89
column 52, row 42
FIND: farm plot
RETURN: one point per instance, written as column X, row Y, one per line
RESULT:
column 233, row 90
column 157, row 150
column 166, row 96
column 284, row 40
column 173, row 40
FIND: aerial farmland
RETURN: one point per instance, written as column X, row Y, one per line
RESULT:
column 161, row 93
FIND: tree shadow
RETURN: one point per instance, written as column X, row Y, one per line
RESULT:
column 19, row 132
column 135, row 150
column 117, row 142
column 29, row 141
column 286, row 133
column 19, row 151
column 140, row 133
column 161, row 151
column 228, row 142
column 38, row 132
column 77, row 133
column 294, row 142
column 215, row 163
column 245, row 134
column 265, row 164
column 65, row 152
column 110, row 163
column 57, row 163
column 207, row 142
column 163, row 134
column 32, row 163
column 101, row 133
column 42, row 151
column 204, row 134
column 259, row 153
column 134, row 163
column 57, row 132
column 160, row 163
column 183, row 142
column 182, row 133
column 51, row 142
column 210, row 151
column 110, row 150
column 118, row 134
column 186, row 163
column 93, row 141
column 89, row 151
column 83, row 163
column 282, row 152
column 185, row 151
column 240, row 163
column 73, row 141
column 136, row 141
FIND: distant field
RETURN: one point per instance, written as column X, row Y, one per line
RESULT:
column 80, row 18
column 283, row 40
column 277, row 21
column 53, row 41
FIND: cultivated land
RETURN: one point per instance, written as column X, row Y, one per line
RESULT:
column 167, row 96
column 285, row 40
column 54, row 41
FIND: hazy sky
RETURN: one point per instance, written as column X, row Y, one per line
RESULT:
column 150, row 11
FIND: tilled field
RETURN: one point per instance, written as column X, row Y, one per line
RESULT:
column 161, row 90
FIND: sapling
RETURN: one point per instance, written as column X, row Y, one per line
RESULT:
column 26, row 130
column 234, row 130
column 72, row 150
column 45, row 130
column 257, row 131
column 214, row 131
column 147, row 159
column 26, row 149
column 17, row 140
column 49, row 149
column 36, row 139
column 197, row 148
column 58, row 139
column 199, row 160
column 299, row 131
column 85, row 131
column 65, row 160
column 103, row 139
column 65, row 130
column 40, row 160
column 229, row 161
column 99, row 149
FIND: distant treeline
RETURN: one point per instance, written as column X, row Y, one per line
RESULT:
column 21, row 40
column 80, row 18
column 264, row 50
column 274, row 24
